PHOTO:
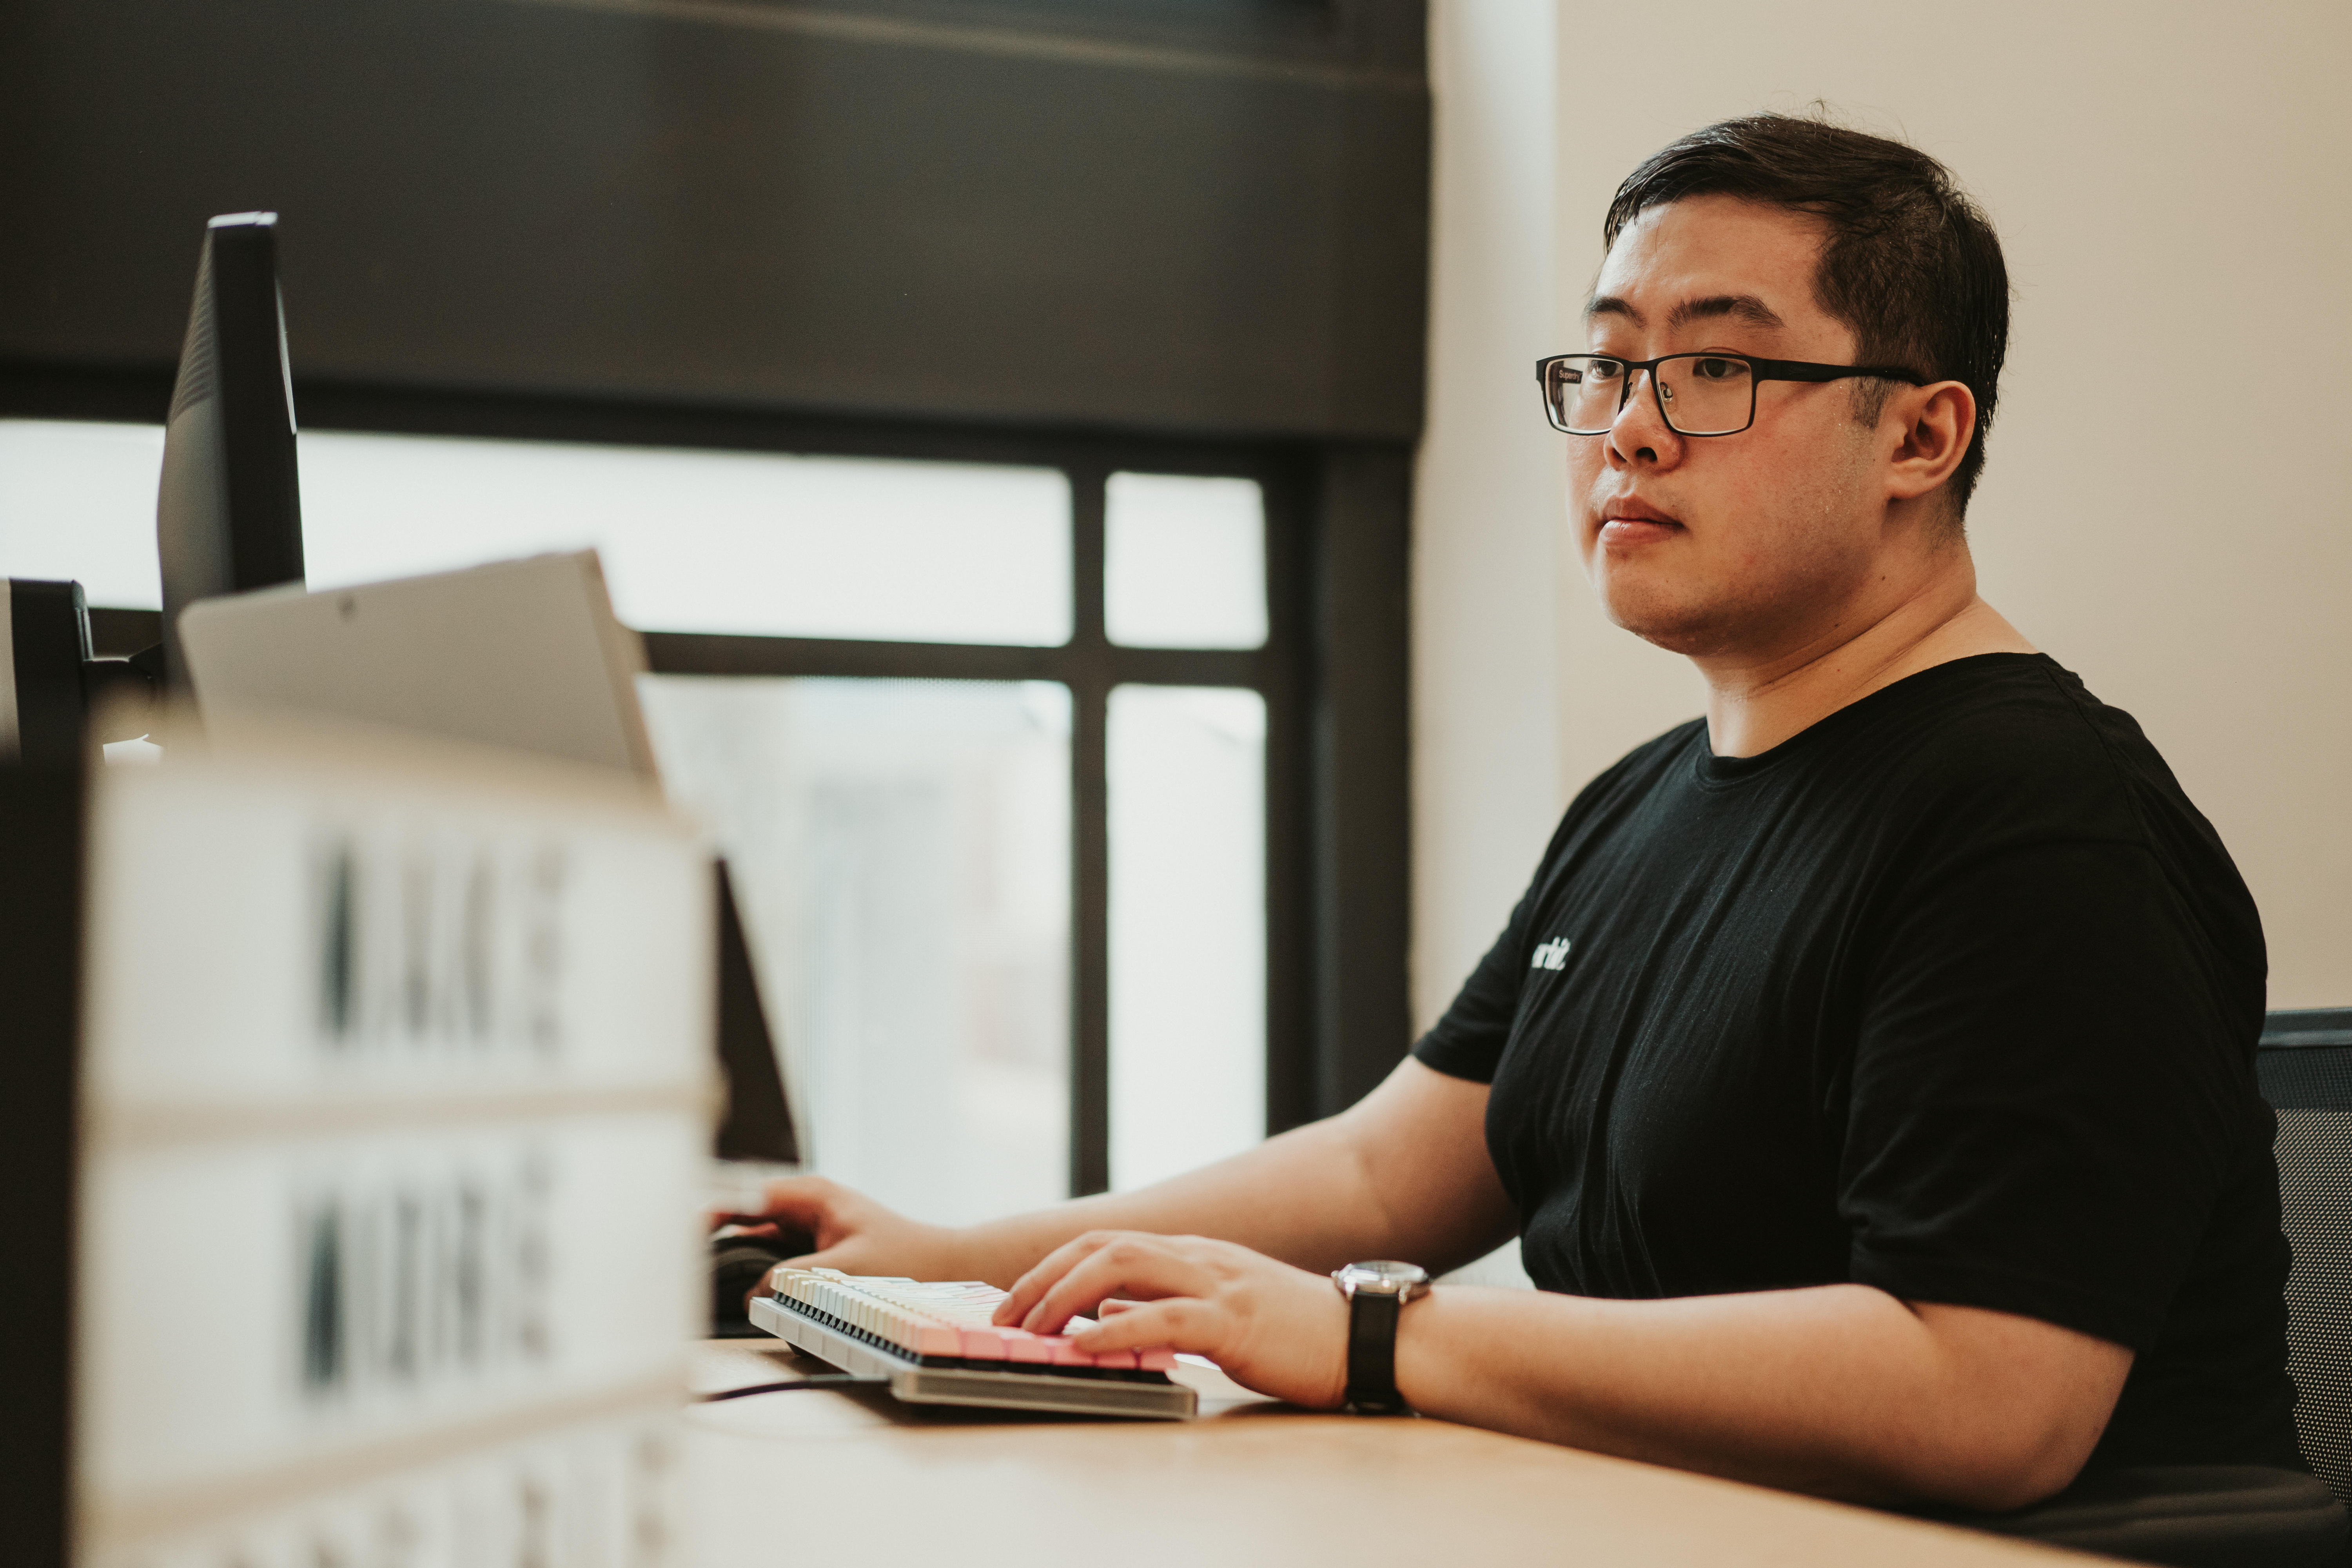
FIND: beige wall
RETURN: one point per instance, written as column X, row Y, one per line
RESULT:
column 1486, row 562
column 2173, row 187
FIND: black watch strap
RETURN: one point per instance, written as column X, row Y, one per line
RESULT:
column 1372, row 1353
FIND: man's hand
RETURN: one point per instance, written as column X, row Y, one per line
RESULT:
column 852, row 1232
column 1272, row 1327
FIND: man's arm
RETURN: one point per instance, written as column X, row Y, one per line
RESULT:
column 1402, row 1174
column 1839, row 1390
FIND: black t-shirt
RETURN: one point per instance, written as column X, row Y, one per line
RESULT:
column 1954, row 994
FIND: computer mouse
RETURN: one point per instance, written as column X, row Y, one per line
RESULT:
column 738, row 1264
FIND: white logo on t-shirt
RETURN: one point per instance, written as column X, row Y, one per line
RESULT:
column 1552, row 954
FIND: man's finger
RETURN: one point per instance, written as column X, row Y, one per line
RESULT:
column 1030, row 1287
column 1146, row 1267
column 803, row 1198
column 1179, row 1322
column 826, row 1257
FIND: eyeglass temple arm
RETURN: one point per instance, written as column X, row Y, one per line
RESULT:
column 1770, row 370
column 1802, row 370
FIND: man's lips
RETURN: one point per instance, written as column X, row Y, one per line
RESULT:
column 1631, row 520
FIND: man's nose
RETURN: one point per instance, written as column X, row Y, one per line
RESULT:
column 1639, row 434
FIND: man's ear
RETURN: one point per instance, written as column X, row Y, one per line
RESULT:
column 1933, row 425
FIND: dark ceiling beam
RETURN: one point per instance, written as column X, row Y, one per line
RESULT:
column 1197, row 219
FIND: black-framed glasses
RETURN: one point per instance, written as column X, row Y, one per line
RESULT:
column 1698, row 394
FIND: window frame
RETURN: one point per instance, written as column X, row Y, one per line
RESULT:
column 1090, row 665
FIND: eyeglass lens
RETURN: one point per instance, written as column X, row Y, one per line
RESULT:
column 1701, row 394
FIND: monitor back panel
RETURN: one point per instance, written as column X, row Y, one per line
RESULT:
column 525, row 654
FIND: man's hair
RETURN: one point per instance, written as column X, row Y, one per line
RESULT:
column 1909, row 262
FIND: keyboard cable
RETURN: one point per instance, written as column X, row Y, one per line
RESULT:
column 830, row 1380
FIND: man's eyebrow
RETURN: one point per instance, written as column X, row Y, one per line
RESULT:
column 1745, row 308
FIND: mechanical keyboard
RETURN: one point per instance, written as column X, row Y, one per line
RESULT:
column 935, row 1344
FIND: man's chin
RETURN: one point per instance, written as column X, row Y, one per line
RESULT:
column 1679, row 626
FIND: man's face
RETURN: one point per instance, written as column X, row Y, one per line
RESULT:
column 1725, row 545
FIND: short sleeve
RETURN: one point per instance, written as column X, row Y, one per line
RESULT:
column 1468, row 1042
column 2049, row 1092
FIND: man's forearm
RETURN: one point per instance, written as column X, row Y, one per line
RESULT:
column 1303, row 1198
column 1839, row 1390
column 1402, row 1174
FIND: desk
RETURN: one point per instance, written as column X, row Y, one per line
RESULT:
column 852, row 1477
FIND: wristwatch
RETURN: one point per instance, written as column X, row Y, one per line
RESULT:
column 1376, row 1292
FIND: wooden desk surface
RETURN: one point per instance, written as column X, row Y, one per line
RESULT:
column 851, row 1476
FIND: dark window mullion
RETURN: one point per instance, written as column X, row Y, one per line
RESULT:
column 711, row 653
column 722, row 653
column 1089, row 675
column 1189, row 667
column 1289, row 1023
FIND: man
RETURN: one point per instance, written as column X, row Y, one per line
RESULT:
column 1868, row 1069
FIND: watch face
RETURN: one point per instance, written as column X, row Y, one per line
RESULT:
column 1382, row 1277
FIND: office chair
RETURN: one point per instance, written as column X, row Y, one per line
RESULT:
column 2305, row 1068
column 2249, row 1516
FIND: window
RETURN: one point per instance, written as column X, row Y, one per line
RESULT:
column 1183, row 562
column 994, row 737
column 901, row 850
column 1187, row 794
column 755, row 543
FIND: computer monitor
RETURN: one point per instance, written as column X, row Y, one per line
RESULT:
column 228, row 512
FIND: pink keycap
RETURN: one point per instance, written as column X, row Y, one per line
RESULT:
column 1067, row 1354
column 1116, row 1361
column 983, row 1344
column 1160, row 1360
column 925, row 1339
column 1022, row 1346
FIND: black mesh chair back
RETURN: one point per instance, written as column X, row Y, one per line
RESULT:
column 2305, row 1068
column 2251, row 1515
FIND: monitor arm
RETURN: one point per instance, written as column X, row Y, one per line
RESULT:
column 119, row 694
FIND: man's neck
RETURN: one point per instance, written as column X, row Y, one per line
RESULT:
column 1754, row 703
